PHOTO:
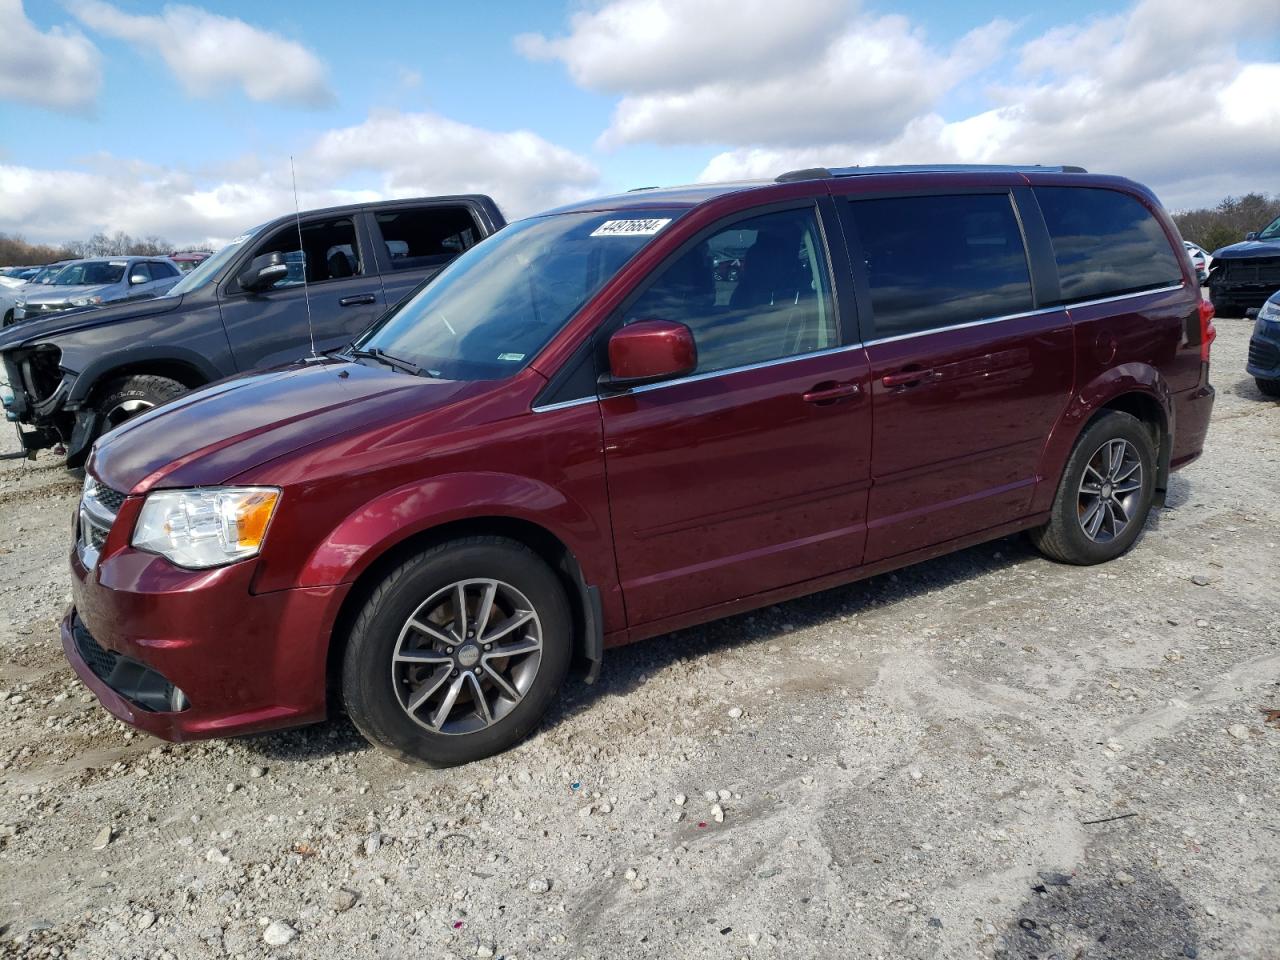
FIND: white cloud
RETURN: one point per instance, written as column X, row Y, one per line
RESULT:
column 1157, row 94
column 209, row 53
column 425, row 153
column 58, row 69
column 391, row 154
column 736, row 71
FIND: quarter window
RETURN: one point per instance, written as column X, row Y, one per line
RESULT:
column 941, row 261
column 1106, row 243
column 755, row 291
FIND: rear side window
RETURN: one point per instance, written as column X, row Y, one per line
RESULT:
column 937, row 262
column 752, row 292
column 1106, row 243
column 162, row 271
column 426, row 237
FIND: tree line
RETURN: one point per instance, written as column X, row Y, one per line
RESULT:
column 1229, row 221
column 17, row 252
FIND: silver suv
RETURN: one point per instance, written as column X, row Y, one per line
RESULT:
column 89, row 283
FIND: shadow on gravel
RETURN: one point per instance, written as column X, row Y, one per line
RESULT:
column 1095, row 917
column 627, row 668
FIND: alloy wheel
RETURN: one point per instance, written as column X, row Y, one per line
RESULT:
column 467, row 656
column 1110, row 490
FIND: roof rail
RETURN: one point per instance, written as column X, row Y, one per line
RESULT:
column 823, row 173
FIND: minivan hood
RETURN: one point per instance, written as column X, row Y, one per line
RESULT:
column 1249, row 248
column 209, row 436
column 42, row 328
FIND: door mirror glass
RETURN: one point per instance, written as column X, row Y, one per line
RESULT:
column 1251, row 235
column 648, row 351
column 263, row 271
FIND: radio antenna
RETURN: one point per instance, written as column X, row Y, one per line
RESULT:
column 306, row 291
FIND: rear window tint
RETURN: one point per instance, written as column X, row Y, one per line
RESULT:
column 941, row 261
column 1106, row 243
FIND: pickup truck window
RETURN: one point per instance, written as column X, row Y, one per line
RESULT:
column 486, row 314
column 329, row 251
column 425, row 237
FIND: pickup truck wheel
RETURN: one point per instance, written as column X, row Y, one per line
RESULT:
column 124, row 399
column 1269, row 388
column 458, row 652
column 1104, row 495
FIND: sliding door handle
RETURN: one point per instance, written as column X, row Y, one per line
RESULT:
column 908, row 377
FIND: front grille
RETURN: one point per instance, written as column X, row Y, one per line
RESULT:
column 1254, row 270
column 1263, row 354
column 113, row 500
column 98, row 508
column 101, row 662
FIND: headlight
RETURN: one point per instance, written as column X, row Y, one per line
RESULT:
column 1270, row 311
column 86, row 301
column 205, row 527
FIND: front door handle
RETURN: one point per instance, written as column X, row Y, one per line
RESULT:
column 831, row 392
column 357, row 300
column 907, row 378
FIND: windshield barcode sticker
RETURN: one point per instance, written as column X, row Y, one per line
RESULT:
column 511, row 357
column 630, row 228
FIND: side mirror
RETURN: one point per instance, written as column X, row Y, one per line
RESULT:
column 1251, row 235
column 138, row 278
column 648, row 351
column 263, row 271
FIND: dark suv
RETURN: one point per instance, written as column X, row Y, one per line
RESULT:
column 585, row 432
column 1245, row 274
column 77, row 374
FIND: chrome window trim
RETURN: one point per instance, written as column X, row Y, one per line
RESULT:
column 1028, row 313
column 710, row 374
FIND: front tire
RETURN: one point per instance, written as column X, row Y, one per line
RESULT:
column 1269, row 388
column 458, row 652
column 1104, row 495
column 128, row 397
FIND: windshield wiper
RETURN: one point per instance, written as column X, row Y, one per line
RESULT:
column 395, row 363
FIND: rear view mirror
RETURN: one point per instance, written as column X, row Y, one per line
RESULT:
column 648, row 351
column 263, row 271
column 1251, row 235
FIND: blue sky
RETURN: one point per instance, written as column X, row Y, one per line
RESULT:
column 381, row 100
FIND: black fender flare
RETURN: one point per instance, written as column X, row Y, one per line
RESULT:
column 103, row 367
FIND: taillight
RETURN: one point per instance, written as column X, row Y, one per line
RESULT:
column 1207, row 330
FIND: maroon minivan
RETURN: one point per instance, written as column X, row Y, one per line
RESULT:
column 585, row 432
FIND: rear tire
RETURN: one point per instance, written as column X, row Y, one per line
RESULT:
column 128, row 397
column 1269, row 388
column 1104, row 495
column 418, row 684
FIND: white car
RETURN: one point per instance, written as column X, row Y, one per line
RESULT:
column 1200, row 259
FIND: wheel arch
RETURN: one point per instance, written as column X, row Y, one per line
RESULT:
column 188, row 368
column 584, row 598
column 1137, row 389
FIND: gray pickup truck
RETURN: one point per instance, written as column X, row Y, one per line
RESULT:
column 73, row 376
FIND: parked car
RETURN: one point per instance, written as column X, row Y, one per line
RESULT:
column 1244, row 275
column 188, row 260
column 73, row 375
column 93, row 282
column 575, row 437
column 1200, row 259
column 1264, row 348
column 46, row 273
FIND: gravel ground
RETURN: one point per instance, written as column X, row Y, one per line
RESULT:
column 987, row 754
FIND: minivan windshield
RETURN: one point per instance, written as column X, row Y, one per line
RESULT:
column 90, row 272
column 209, row 268
column 486, row 314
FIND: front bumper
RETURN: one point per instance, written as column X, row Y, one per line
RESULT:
column 203, row 655
column 1264, row 350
